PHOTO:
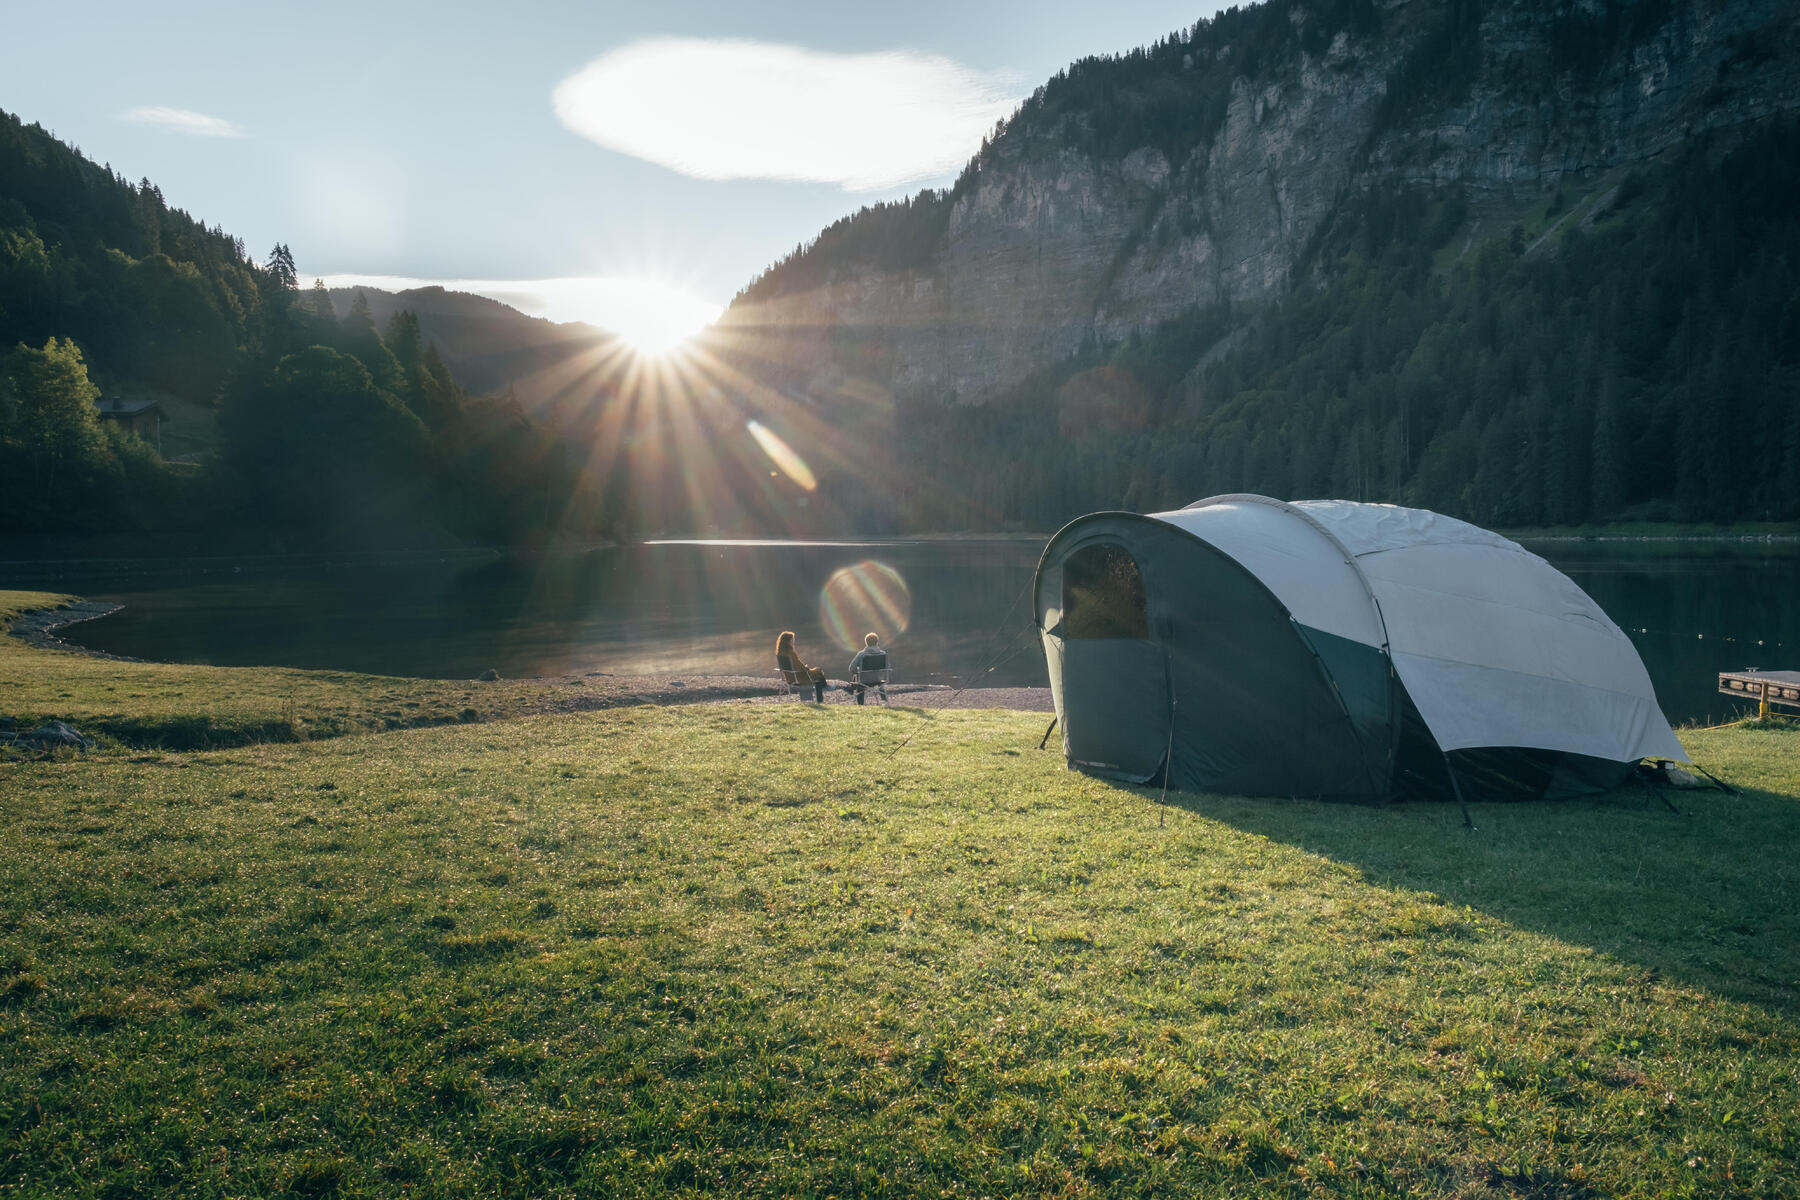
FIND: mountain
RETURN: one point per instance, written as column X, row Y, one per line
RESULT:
column 1522, row 261
column 492, row 348
column 307, row 420
column 297, row 427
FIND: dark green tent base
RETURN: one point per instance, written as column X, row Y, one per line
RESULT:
column 1489, row 773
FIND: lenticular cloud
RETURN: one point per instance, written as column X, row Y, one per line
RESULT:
column 182, row 120
column 750, row 110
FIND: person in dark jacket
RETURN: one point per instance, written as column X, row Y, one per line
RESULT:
column 871, row 649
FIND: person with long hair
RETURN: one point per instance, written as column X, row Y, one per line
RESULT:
column 788, row 659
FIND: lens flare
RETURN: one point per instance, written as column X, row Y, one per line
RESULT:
column 869, row 597
column 782, row 455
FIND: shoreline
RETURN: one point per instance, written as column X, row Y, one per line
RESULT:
column 39, row 627
column 19, row 555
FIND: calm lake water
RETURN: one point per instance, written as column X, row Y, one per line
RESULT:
column 951, row 610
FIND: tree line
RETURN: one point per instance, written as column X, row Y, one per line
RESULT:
column 328, row 430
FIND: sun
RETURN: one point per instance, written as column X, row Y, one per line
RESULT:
column 652, row 316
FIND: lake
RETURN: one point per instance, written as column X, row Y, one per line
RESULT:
column 953, row 610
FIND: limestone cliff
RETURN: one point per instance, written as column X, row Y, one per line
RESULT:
column 1203, row 172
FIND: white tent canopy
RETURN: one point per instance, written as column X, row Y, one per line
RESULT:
column 1494, row 645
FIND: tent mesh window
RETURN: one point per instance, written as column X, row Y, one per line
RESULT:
column 1103, row 595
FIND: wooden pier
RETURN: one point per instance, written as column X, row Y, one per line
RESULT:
column 1765, row 687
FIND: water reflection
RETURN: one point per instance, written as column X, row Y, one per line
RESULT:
column 677, row 607
column 1694, row 609
column 949, row 609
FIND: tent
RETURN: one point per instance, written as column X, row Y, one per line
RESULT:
column 1334, row 649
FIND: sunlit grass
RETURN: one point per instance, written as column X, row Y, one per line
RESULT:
column 774, row 951
column 750, row 952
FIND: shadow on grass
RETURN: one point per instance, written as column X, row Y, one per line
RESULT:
column 190, row 732
column 203, row 731
column 1704, row 896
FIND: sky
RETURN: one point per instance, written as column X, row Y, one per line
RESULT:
column 632, row 164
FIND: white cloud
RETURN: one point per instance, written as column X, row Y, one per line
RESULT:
column 751, row 110
column 648, row 312
column 182, row 120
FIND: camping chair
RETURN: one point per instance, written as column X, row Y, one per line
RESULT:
column 872, row 673
column 793, row 683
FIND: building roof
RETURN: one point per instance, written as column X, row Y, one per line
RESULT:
column 126, row 408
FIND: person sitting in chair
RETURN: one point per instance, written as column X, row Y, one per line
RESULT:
column 871, row 658
column 789, row 661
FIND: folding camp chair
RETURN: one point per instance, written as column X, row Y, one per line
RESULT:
column 872, row 673
column 793, row 683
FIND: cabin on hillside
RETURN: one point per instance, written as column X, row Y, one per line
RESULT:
column 142, row 417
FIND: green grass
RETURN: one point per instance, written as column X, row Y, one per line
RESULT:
column 192, row 427
column 174, row 706
column 769, row 951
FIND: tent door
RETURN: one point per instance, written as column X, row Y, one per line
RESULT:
column 1116, row 697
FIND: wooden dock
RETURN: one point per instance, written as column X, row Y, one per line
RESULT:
column 1765, row 687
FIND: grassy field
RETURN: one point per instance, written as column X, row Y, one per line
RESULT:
column 786, row 951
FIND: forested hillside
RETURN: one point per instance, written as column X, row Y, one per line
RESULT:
column 493, row 349
column 153, row 294
column 1633, row 353
column 1525, row 263
column 324, row 430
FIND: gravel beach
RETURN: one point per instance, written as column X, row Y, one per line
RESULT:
column 597, row 690
column 574, row 693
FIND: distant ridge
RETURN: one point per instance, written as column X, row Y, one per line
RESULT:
column 492, row 348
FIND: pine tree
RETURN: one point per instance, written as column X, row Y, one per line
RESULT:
column 358, row 337
column 281, row 268
column 1607, row 478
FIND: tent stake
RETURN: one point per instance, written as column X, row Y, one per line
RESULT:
column 1047, row 734
column 1457, row 788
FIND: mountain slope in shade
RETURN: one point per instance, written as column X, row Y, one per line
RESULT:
column 1523, row 262
column 492, row 348
column 1205, row 171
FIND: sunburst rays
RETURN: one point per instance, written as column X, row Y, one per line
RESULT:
column 738, row 432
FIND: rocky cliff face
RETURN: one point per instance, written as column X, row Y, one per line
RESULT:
column 1051, row 242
